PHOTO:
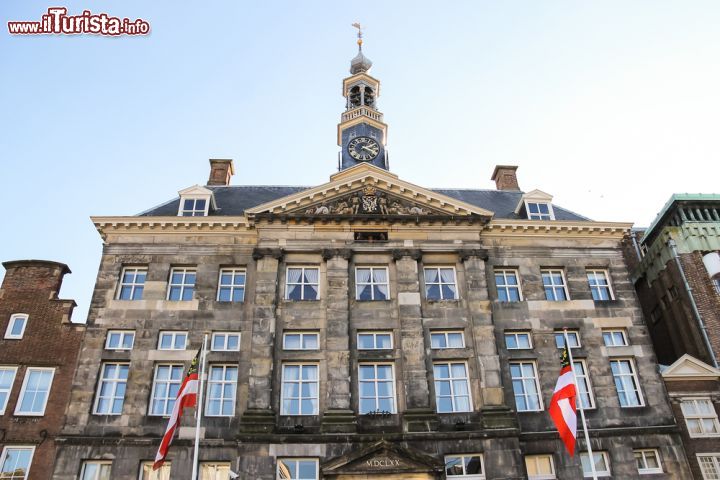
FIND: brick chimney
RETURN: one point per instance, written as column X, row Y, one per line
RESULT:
column 33, row 277
column 505, row 177
column 220, row 171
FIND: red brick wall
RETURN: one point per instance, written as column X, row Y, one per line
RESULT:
column 706, row 298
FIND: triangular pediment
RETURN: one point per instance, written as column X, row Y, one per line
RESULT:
column 533, row 196
column 380, row 458
column 688, row 367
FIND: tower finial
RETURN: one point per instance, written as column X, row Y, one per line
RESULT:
column 359, row 34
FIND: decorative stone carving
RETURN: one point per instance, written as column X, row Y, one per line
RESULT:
column 479, row 253
column 259, row 253
column 413, row 253
column 328, row 253
column 369, row 201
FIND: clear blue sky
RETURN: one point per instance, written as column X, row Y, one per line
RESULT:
column 610, row 106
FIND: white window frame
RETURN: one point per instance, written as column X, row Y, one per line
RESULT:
column 297, row 460
column 215, row 474
column 123, row 334
column 570, row 333
column 227, row 336
column 699, row 417
column 372, row 283
column 452, row 381
column 553, row 286
column 134, row 285
column 194, row 211
column 714, row 463
column 445, row 334
column 440, row 282
column 14, row 318
column 648, row 470
column 185, row 271
column 300, row 381
column 232, row 286
column 23, row 391
column 506, row 286
column 634, row 377
column 302, row 283
column 465, row 475
column 539, row 215
column 612, row 332
column 600, row 473
column 99, row 464
column 167, row 398
column 302, row 335
column 586, row 380
column 7, row 448
column 716, row 283
column 374, row 335
column 606, row 275
column 524, row 379
column 114, row 382
column 375, row 380
column 173, row 335
column 515, row 335
column 13, row 369
column 222, row 398
column 163, row 473
column 542, row 476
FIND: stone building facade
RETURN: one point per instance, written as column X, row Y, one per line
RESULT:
column 365, row 328
column 38, row 352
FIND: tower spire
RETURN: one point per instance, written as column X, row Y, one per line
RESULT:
column 360, row 63
column 359, row 35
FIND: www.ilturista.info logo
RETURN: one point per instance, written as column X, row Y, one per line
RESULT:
column 57, row 21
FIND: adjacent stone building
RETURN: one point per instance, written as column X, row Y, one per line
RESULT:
column 38, row 352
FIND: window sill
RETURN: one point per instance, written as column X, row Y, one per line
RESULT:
column 28, row 414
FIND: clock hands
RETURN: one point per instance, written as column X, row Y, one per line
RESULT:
column 371, row 150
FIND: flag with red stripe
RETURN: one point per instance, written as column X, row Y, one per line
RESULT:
column 562, row 406
column 187, row 397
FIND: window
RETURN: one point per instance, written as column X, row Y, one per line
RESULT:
column 147, row 472
column 626, row 383
column 297, row 469
column 225, row 342
column 95, row 470
column 583, row 382
column 222, row 385
column 302, row 283
column 449, row 339
column 132, row 283
column 166, row 386
column 601, row 461
column 374, row 341
column 440, row 283
column 700, row 417
column 301, row 341
column 182, row 284
column 231, row 285
column 615, row 338
column 214, row 470
column 377, row 388
column 111, row 389
column 172, row 340
column 299, row 389
column 672, row 292
column 656, row 314
column 508, row 286
column 709, row 466
column 716, row 284
column 7, row 377
column 120, row 340
column 599, row 285
column 648, row 461
column 525, row 386
column 573, row 338
column 539, row 211
column 16, row 326
column 555, row 286
column 35, row 391
column 15, row 463
column 464, row 466
column 371, row 283
column 540, row 467
column 452, row 389
column 194, row 207
column 518, row 340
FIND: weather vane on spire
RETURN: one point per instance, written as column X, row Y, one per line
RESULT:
column 359, row 41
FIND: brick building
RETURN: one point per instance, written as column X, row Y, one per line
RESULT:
column 38, row 352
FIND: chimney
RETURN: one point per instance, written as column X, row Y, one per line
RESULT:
column 220, row 171
column 505, row 177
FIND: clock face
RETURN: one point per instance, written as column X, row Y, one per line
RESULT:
column 363, row 149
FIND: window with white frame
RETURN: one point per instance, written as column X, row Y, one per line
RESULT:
column 147, row 472
column 700, row 417
column 214, row 470
column 374, row 341
column 16, row 326
column 647, row 461
column 7, row 378
column 626, row 382
column 615, row 338
column 194, row 207
column 573, row 339
column 539, row 211
column 465, row 466
column 302, row 283
column 15, row 462
column 299, row 389
column 716, row 283
column 599, row 282
column 225, row 342
column 554, row 283
column 540, row 467
column 709, row 465
column 440, row 283
column 166, row 386
column 376, row 382
column 301, row 341
column 601, row 460
column 507, row 282
column 172, row 340
column 111, row 389
column 231, row 285
column 222, row 385
column 518, row 340
column 182, row 284
column 35, row 391
column 447, row 339
column 583, row 382
column 132, row 283
column 452, row 387
column 120, row 340
column 525, row 386
column 96, row 470
column 371, row 283
column 297, row 469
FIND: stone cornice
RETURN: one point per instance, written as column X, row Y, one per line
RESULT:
column 555, row 228
column 168, row 225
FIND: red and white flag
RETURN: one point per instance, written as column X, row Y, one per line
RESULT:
column 187, row 397
column 562, row 406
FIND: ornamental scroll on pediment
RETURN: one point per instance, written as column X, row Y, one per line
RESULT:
column 370, row 200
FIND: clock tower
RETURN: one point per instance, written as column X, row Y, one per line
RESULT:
column 361, row 131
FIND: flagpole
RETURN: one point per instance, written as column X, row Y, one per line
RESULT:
column 199, row 409
column 582, row 410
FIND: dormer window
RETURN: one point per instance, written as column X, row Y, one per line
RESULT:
column 535, row 205
column 194, row 207
column 196, row 201
column 539, row 211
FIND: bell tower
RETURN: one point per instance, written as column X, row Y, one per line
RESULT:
column 361, row 132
